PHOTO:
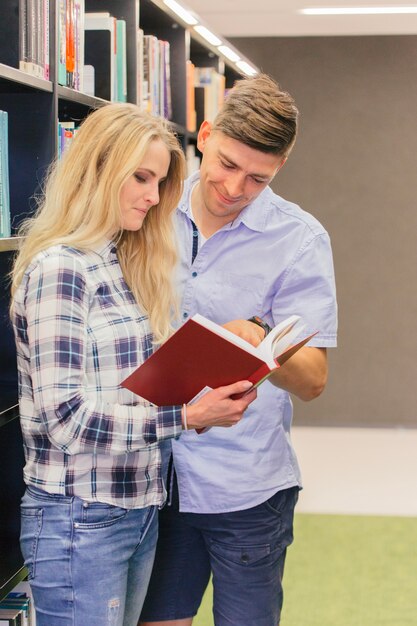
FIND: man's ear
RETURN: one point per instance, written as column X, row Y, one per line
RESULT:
column 282, row 164
column 203, row 134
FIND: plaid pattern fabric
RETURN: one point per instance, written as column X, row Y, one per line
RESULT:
column 78, row 334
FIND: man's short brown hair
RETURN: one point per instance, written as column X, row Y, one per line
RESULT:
column 259, row 114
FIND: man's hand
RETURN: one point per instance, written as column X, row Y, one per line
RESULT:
column 248, row 331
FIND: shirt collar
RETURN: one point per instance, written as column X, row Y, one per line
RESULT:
column 254, row 216
column 105, row 248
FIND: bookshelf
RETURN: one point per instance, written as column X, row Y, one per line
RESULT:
column 34, row 106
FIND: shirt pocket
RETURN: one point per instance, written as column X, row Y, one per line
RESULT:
column 235, row 296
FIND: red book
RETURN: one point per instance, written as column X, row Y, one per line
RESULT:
column 203, row 354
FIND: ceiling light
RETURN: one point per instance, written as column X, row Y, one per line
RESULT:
column 229, row 53
column 208, row 35
column 246, row 68
column 181, row 12
column 358, row 10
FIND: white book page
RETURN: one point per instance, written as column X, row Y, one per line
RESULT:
column 280, row 338
column 227, row 334
column 276, row 342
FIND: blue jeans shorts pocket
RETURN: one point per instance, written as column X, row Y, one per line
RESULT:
column 31, row 526
column 240, row 555
column 283, row 501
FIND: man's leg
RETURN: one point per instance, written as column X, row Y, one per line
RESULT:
column 181, row 571
column 247, row 554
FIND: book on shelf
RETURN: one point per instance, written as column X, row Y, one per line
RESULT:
column 150, row 79
column 165, row 80
column 155, row 83
column 212, row 84
column 101, row 52
column 202, row 354
column 140, row 86
column 5, row 230
column 34, row 37
column 121, row 60
column 18, row 603
column 191, row 115
column 70, row 57
column 79, row 42
column 11, row 617
column 66, row 133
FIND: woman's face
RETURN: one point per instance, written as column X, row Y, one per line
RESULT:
column 141, row 191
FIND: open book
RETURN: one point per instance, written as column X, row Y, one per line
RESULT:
column 203, row 354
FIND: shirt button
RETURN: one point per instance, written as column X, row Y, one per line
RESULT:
column 85, row 505
column 185, row 315
column 194, row 274
column 76, row 525
column 195, row 233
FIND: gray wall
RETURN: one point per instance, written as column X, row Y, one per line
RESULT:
column 354, row 167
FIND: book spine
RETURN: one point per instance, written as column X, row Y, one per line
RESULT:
column 121, row 61
column 139, row 64
column 261, row 374
column 23, row 35
column 46, row 41
column 114, row 62
column 2, row 176
column 62, row 42
column 70, row 45
column 5, row 229
column 80, row 44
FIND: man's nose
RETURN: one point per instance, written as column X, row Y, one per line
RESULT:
column 234, row 185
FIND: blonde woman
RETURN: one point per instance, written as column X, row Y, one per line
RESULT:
column 91, row 297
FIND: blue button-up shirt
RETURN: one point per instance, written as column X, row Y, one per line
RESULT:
column 273, row 260
column 79, row 333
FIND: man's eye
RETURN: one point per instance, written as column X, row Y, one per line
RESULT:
column 228, row 166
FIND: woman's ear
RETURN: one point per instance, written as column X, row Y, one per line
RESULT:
column 203, row 134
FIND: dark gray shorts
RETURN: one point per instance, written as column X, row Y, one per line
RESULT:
column 243, row 550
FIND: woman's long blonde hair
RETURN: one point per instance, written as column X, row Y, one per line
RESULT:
column 80, row 206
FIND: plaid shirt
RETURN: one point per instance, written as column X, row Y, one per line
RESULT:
column 78, row 334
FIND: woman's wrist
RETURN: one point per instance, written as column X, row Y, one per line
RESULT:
column 184, row 417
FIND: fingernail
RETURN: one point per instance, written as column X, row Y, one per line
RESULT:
column 247, row 384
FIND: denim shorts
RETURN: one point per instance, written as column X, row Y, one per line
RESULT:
column 88, row 563
column 243, row 550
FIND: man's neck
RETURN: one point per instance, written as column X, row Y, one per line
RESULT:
column 207, row 224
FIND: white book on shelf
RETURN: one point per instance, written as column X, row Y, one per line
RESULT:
column 99, row 48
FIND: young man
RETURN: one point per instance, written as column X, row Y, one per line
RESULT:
column 244, row 252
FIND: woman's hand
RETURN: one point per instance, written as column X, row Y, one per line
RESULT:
column 218, row 408
column 250, row 332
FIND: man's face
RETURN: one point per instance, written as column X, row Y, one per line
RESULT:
column 232, row 174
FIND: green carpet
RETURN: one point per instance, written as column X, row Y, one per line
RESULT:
column 347, row 571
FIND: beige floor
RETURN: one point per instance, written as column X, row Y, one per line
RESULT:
column 357, row 471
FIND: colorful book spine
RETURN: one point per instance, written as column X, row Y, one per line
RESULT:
column 5, row 229
column 62, row 42
column 121, row 61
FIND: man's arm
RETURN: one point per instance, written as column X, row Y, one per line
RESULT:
column 304, row 374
